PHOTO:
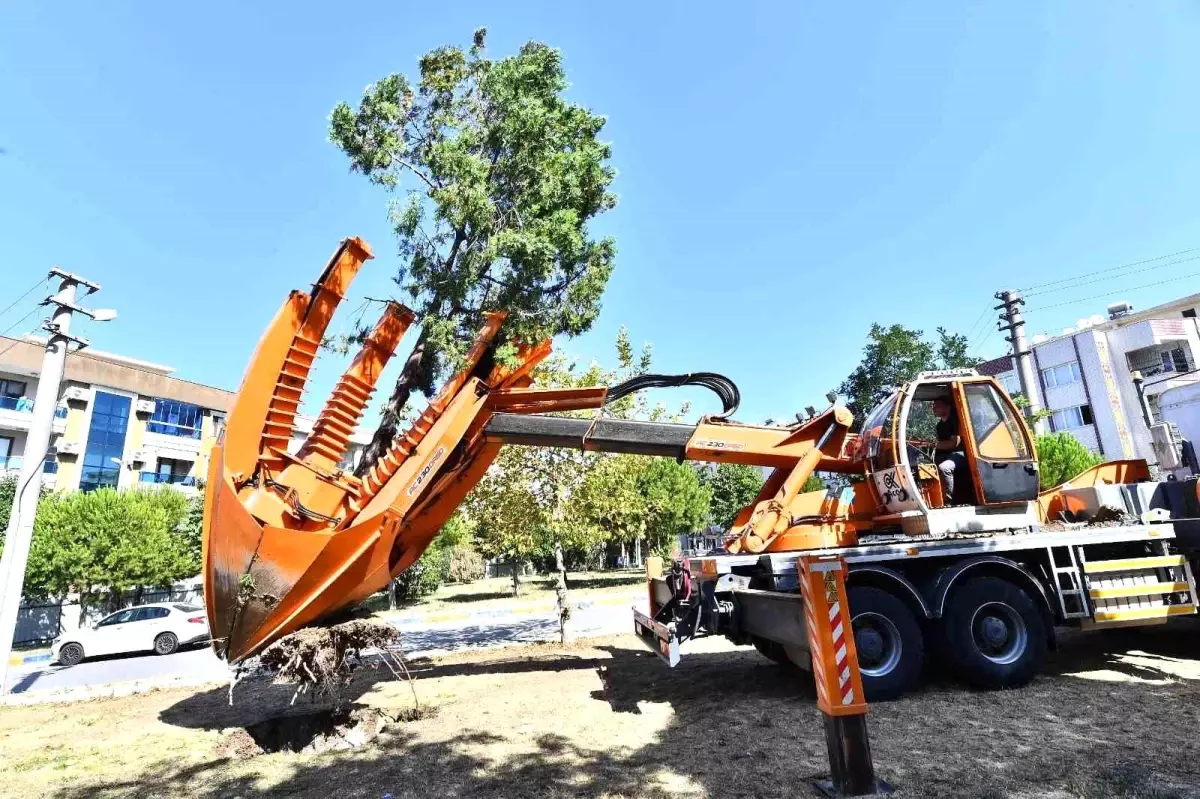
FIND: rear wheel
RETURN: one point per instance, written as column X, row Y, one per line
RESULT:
column 994, row 634
column 70, row 654
column 891, row 648
column 166, row 644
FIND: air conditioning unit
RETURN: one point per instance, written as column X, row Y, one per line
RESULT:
column 145, row 406
column 76, row 393
column 143, row 456
column 70, row 448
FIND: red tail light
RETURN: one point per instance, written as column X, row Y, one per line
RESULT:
column 197, row 620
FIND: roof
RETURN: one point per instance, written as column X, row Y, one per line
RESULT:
column 996, row 366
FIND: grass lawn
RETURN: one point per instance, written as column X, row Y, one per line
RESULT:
column 497, row 591
column 1117, row 714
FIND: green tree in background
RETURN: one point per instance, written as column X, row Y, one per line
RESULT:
column 733, row 487
column 108, row 542
column 499, row 176
column 1061, row 457
column 895, row 355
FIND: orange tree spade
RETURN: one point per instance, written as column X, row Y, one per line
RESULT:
column 497, row 177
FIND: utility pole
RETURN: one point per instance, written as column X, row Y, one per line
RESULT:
column 1012, row 321
column 29, row 485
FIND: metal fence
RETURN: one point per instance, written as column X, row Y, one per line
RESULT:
column 41, row 622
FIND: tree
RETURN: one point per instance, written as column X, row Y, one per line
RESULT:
column 895, row 355
column 108, row 542
column 1061, row 457
column 733, row 487
column 500, row 176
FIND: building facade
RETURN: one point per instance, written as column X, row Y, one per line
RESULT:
column 1085, row 376
column 119, row 422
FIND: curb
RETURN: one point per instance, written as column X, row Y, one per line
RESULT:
column 83, row 693
column 501, row 613
column 21, row 660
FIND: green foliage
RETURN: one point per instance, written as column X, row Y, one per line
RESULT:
column 813, row 483
column 8, row 491
column 466, row 564
column 109, row 541
column 423, row 577
column 1061, row 457
column 895, row 355
column 733, row 487
column 498, row 176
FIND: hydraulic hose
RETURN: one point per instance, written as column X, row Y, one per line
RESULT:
column 720, row 385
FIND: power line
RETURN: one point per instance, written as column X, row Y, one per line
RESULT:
column 1125, row 274
column 1110, row 269
column 36, row 308
column 975, row 324
column 32, row 289
column 20, row 340
column 1115, row 291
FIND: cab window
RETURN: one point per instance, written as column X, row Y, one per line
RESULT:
column 996, row 430
column 120, row 617
column 877, row 432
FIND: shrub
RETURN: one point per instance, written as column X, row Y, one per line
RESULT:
column 423, row 577
column 464, row 565
column 1061, row 458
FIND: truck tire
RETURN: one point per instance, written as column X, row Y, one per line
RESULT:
column 993, row 634
column 891, row 648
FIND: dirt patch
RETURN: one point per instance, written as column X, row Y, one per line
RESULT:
column 322, row 660
column 1114, row 716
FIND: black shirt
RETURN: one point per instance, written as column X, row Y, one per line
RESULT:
column 947, row 429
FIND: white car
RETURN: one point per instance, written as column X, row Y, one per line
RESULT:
column 162, row 628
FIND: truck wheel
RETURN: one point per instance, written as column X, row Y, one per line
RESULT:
column 890, row 646
column 994, row 634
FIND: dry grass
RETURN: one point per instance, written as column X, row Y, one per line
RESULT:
column 605, row 718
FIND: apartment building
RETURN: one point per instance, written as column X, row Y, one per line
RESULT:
column 1085, row 376
column 119, row 422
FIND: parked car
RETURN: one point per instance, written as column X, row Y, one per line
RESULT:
column 161, row 628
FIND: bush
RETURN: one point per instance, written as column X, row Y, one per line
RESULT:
column 423, row 577
column 1061, row 458
column 464, row 564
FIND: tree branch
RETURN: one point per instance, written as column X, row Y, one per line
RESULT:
column 417, row 172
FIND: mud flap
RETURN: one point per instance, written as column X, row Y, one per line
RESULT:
column 659, row 637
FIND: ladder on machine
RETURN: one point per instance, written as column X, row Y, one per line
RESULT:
column 1141, row 590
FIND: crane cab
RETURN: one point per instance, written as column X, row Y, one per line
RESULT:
column 996, row 482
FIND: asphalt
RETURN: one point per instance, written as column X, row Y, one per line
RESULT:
column 420, row 636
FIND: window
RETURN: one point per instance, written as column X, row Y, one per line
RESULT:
column 1062, row 375
column 996, row 431
column 49, row 465
column 1011, row 384
column 1190, row 313
column 1071, row 418
column 106, row 442
column 120, row 617
column 145, row 614
column 11, row 394
column 6, row 445
column 171, row 471
column 175, row 419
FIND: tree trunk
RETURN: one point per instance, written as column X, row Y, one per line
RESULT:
column 637, row 552
column 560, row 592
column 391, row 589
column 417, row 372
column 516, row 577
column 137, row 595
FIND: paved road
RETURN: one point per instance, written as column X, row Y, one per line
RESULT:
column 200, row 664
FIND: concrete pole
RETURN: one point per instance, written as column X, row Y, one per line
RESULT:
column 1012, row 320
column 29, row 484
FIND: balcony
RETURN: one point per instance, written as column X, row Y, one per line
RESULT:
column 16, row 413
column 185, row 480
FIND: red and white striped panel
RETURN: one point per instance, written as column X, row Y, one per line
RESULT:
column 839, row 652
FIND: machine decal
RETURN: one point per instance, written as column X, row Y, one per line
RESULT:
column 425, row 472
column 731, row 446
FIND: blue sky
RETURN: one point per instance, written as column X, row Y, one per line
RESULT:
column 788, row 173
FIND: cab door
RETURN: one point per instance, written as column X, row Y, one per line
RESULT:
column 999, row 443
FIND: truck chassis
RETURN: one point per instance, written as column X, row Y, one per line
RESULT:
column 988, row 604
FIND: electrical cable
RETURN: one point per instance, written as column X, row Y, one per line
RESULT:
column 1110, row 269
column 32, row 289
column 1125, row 274
column 14, row 324
column 1114, row 291
column 722, row 386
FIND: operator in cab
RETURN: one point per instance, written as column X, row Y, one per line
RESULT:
column 951, row 457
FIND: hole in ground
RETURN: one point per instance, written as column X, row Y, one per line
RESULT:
column 330, row 729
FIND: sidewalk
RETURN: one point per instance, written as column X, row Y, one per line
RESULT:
column 536, row 607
